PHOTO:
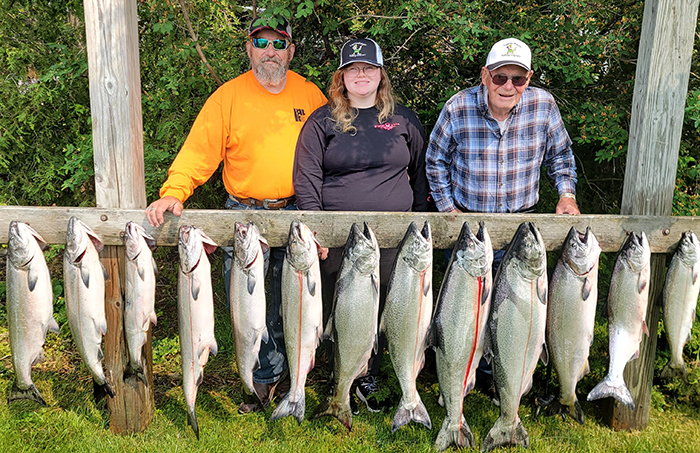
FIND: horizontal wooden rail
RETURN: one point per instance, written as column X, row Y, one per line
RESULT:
column 332, row 227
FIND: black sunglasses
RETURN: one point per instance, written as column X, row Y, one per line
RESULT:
column 500, row 79
column 277, row 44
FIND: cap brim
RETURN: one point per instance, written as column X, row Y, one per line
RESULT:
column 281, row 32
column 493, row 66
column 347, row 63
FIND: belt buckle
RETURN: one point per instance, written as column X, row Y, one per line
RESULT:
column 266, row 202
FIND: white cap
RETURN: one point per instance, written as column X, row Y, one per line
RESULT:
column 509, row 51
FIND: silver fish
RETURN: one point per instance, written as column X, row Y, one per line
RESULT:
column 84, row 279
column 573, row 295
column 29, row 307
column 196, row 313
column 140, row 297
column 247, row 300
column 459, row 329
column 627, row 308
column 302, row 315
column 680, row 299
column 353, row 322
column 516, row 329
column 406, row 318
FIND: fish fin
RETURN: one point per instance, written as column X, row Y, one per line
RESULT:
column 31, row 393
column 645, row 329
column 153, row 318
column 192, row 421
column 671, row 370
column 695, row 274
column 104, row 271
column 101, row 391
column 469, row 387
column 587, row 288
column 39, row 358
column 488, row 347
column 155, row 266
column 32, row 278
column 264, row 245
column 606, row 388
column 85, row 276
column 375, row 346
column 375, row 291
column 328, row 331
column 486, row 292
column 334, row 408
column 101, row 326
column 135, row 370
column 195, row 286
column 418, row 414
column 287, row 407
column 142, row 272
column 310, row 284
column 426, row 283
column 265, row 335
column 544, row 355
column 100, row 355
column 53, row 327
column 584, row 371
column 505, row 432
column 542, row 288
column 251, row 282
column 448, row 436
column 641, row 282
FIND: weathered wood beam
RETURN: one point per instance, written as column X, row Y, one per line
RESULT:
column 332, row 228
column 658, row 107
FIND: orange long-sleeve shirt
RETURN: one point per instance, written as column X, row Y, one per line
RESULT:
column 253, row 131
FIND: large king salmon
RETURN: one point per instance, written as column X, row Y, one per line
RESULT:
column 406, row 318
column 196, row 313
column 84, row 279
column 680, row 299
column 353, row 322
column 140, row 296
column 459, row 329
column 247, row 300
column 627, row 308
column 516, row 329
column 573, row 295
column 29, row 307
column 302, row 316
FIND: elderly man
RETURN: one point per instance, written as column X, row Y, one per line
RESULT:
column 490, row 141
column 251, row 123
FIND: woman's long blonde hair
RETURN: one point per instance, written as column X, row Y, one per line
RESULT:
column 344, row 115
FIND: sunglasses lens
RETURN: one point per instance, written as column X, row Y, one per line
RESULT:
column 279, row 44
column 260, row 43
column 499, row 79
column 518, row 81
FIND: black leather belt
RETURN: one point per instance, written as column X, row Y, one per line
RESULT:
column 268, row 203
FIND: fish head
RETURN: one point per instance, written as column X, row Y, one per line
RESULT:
column 527, row 249
column 192, row 243
column 581, row 250
column 23, row 244
column 79, row 237
column 136, row 239
column 248, row 244
column 474, row 253
column 302, row 246
column 416, row 248
column 635, row 251
column 362, row 249
column 689, row 248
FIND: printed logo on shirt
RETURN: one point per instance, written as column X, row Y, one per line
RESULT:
column 386, row 126
column 299, row 115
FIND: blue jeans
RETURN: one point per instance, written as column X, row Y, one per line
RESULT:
column 273, row 356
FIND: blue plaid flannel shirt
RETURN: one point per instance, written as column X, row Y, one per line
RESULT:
column 470, row 165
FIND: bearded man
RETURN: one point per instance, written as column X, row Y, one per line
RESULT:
column 251, row 123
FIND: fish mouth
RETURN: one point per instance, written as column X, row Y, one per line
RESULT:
column 425, row 232
column 242, row 231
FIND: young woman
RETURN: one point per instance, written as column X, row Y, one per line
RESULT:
column 361, row 152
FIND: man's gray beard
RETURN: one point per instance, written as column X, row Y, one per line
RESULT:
column 270, row 76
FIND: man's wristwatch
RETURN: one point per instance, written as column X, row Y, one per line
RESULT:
column 567, row 195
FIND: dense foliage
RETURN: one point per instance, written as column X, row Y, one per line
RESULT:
column 584, row 52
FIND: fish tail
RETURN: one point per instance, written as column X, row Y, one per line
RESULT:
column 135, row 370
column 607, row 388
column 404, row 416
column 578, row 412
column 672, row 370
column 504, row 432
column 335, row 408
column 30, row 393
column 192, row 421
column 288, row 407
column 461, row 436
column 100, row 391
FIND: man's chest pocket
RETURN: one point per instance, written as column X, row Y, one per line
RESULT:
column 529, row 145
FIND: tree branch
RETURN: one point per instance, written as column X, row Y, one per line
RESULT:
column 196, row 44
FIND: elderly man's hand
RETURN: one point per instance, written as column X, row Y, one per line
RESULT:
column 155, row 211
column 567, row 205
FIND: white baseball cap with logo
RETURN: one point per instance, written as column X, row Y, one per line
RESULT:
column 509, row 51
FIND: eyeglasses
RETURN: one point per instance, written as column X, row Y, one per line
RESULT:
column 354, row 71
column 277, row 44
column 501, row 79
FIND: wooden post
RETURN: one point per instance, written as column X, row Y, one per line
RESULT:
column 117, row 131
column 658, row 106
